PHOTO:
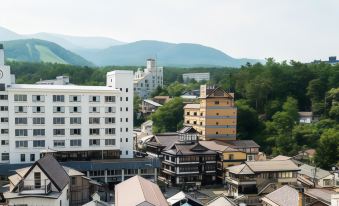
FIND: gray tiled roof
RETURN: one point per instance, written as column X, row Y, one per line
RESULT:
column 242, row 143
column 320, row 194
column 284, row 196
column 308, row 170
column 278, row 165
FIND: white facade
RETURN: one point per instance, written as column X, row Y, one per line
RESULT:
column 65, row 117
column 145, row 82
column 196, row 76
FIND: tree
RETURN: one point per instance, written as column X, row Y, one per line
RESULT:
column 248, row 123
column 138, row 118
column 291, row 108
column 327, row 152
column 169, row 117
column 176, row 89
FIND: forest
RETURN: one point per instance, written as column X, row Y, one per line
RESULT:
column 268, row 97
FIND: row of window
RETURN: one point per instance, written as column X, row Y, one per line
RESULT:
column 58, row 98
column 60, row 109
column 60, row 120
column 59, row 132
column 61, row 143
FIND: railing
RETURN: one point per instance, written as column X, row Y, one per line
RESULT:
column 33, row 188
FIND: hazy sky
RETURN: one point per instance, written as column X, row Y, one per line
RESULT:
column 303, row 30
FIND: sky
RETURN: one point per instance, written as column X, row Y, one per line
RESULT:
column 302, row 30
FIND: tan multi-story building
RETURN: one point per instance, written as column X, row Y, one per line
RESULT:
column 215, row 117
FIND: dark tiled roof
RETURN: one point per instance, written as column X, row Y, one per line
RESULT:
column 187, row 129
column 241, row 143
column 190, row 149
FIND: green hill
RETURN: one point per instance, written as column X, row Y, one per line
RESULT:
column 35, row 50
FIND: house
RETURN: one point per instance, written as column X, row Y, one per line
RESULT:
column 255, row 178
column 221, row 201
column 311, row 176
column 182, row 198
column 162, row 99
column 147, row 80
column 46, row 182
column 96, row 201
column 321, row 197
column 215, row 116
column 227, row 156
column 149, row 106
column 307, row 117
column 249, row 146
column 138, row 191
column 284, row 196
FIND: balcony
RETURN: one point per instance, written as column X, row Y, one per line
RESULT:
column 241, row 181
column 28, row 187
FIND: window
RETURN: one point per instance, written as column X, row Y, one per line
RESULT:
column 126, row 109
column 59, row 109
column 4, row 131
column 58, row 120
column 126, row 139
column 217, row 123
column 21, row 132
column 110, row 109
column 126, row 152
column 21, row 120
column 187, row 113
column 109, row 98
column 195, row 113
column 126, row 129
column 126, row 99
column 109, row 142
column 20, row 98
column 94, row 120
column 126, row 89
column 94, row 131
column 75, row 120
column 38, row 98
column 194, row 122
column 59, row 143
column 3, row 108
column 38, row 132
column 231, row 156
column 75, row 142
column 109, row 130
column 4, row 156
column 37, row 180
column 32, row 157
column 216, row 102
column 22, row 157
column 3, row 97
column 20, row 109
column 75, row 132
column 94, row 142
column 38, row 120
column 4, row 119
column 74, row 98
column 94, row 98
column 4, row 142
column 38, row 109
column 58, row 98
column 126, row 119
column 57, row 132
column 73, row 180
column 109, row 120
column 94, row 109
column 21, row 144
column 75, row 109
column 38, row 143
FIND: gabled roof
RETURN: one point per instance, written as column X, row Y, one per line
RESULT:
column 53, row 170
column 270, row 166
column 284, row 196
column 281, row 157
column 242, row 143
column 181, row 196
column 309, row 171
column 242, row 169
column 165, row 140
column 188, row 149
column 152, row 102
column 215, row 146
column 138, row 191
column 320, row 194
column 213, row 92
column 221, row 201
column 187, row 129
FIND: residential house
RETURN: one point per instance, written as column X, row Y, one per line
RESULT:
column 162, row 99
column 321, row 197
column 254, row 178
column 137, row 191
column 311, row 176
column 182, row 198
column 149, row 106
column 221, row 201
column 215, row 117
column 227, row 156
column 284, row 196
column 307, row 117
column 249, row 146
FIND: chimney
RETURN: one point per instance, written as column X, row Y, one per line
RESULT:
column 2, row 55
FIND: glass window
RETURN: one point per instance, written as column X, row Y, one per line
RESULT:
column 75, row 142
column 59, row 143
column 21, row 132
column 109, row 98
column 94, row 142
column 74, row 98
column 94, row 98
column 75, row 120
column 20, row 98
column 109, row 141
column 4, row 156
column 38, row 98
column 21, row 144
column 38, row 143
column 58, row 98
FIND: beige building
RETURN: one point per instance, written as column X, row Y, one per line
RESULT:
column 215, row 117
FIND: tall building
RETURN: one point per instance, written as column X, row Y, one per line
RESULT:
column 215, row 117
column 77, row 122
column 146, row 81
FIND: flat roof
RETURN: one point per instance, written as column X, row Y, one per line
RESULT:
column 59, row 87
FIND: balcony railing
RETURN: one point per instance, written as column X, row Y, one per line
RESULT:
column 29, row 187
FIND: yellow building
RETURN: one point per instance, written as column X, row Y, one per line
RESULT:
column 215, row 117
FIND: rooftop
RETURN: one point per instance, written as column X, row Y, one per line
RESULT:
column 221, row 201
column 322, row 195
column 213, row 145
column 281, row 157
column 309, row 171
column 239, row 144
column 284, row 196
column 278, row 165
column 192, row 106
column 60, row 87
column 152, row 102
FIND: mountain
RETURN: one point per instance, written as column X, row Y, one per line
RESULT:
column 36, row 50
column 167, row 54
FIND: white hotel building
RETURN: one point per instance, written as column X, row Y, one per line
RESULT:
column 79, row 122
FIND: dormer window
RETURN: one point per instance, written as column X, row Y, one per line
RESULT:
column 37, row 180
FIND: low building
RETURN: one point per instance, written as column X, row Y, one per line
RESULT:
column 227, row 156
column 182, row 198
column 196, row 76
column 59, row 80
column 162, row 99
column 255, row 178
column 321, row 197
column 249, row 146
column 315, row 176
column 46, row 182
column 284, row 196
column 137, row 191
column 307, row 117
column 221, row 201
column 149, row 106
